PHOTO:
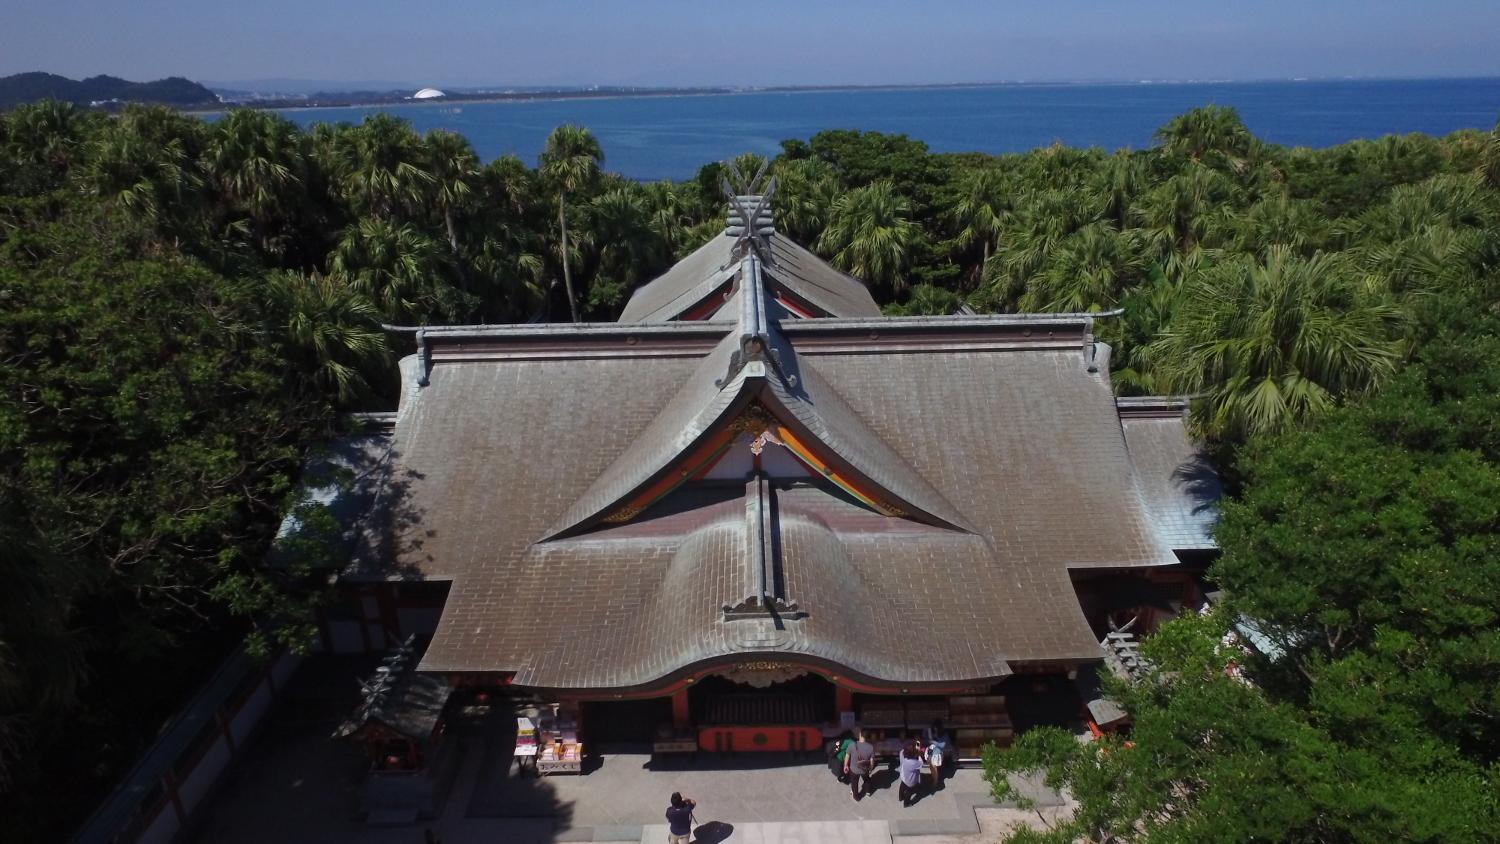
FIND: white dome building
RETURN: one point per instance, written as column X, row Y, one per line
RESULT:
column 428, row 94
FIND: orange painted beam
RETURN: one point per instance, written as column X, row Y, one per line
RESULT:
column 809, row 456
column 700, row 460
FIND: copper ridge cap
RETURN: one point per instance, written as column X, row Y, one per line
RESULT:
column 758, row 328
column 814, row 325
column 1153, row 401
column 719, row 326
column 550, row 329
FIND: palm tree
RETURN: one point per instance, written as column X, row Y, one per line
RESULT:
column 617, row 225
column 148, row 177
column 254, row 157
column 454, row 169
column 1264, row 344
column 1489, row 158
column 747, row 164
column 1435, row 258
column 926, row 300
column 980, row 211
column 570, row 161
column 1181, row 213
column 1456, row 200
column 1087, row 272
column 398, row 268
column 806, row 190
column 334, row 325
column 869, row 235
column 508, row 260
column 1280, row 221
column 47, row 139
column 669, row 214
column 1031, row 233
column 1148, row 307
column 1123, row 177
column 1210, row 133
column 379, row 166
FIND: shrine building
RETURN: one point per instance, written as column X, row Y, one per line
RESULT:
column 755, row 507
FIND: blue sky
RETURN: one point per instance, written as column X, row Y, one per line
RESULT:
column 674, row 42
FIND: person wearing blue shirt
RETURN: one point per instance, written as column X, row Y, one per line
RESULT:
column 680, row 819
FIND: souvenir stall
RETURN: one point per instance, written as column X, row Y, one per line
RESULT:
column 547, row 740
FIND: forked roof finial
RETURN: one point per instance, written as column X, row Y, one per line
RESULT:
column 750, row 222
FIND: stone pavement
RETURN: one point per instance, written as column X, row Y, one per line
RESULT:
column 628, row 789
column 790, row 832
column 294, row 784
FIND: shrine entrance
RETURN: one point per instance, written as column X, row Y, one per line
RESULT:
column 739, row 710
column 625, row 721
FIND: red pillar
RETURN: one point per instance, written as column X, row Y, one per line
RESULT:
column 843, row 698
column 680, row 717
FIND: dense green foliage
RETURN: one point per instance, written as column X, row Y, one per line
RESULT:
column 188, row 304
column 1365, row 551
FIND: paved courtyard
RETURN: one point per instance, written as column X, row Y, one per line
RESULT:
column 298, row 785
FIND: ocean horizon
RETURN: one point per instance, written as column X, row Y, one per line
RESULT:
column 669, row 136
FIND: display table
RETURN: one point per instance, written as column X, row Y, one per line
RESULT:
column 560, row 758
column 547, row 743
column 526, row 749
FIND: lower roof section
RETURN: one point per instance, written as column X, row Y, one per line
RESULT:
column 888, row 600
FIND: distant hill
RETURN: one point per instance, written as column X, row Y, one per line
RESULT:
column 30, row 87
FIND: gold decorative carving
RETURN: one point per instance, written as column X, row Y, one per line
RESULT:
column 762, row 674
column 755, row 419
column 624, row 514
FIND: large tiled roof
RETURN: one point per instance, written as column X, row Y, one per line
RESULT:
column 1012, row 430
column 955, row 470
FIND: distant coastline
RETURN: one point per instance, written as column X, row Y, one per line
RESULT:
column 669, row 134
column 358, row 99
column 368, row 99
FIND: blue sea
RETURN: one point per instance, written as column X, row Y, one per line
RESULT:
column 670, row 137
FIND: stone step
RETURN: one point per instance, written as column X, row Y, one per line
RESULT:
column 400, row 816
column 780, row 832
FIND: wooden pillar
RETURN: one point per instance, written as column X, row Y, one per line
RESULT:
column 385, row 598
column 843, row 698
column 223, row 721
column 169, row 784
column 681, row 718
column 364, row 620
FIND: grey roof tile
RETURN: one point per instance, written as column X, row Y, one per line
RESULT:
column 1176, row 479
column 694, row 278
column 501, row 466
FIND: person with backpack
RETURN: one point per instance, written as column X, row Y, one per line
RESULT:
column 859, row 764
column 838, row 752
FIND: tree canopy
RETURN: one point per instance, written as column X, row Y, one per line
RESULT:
column 189, row 305
column 1364, row 549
